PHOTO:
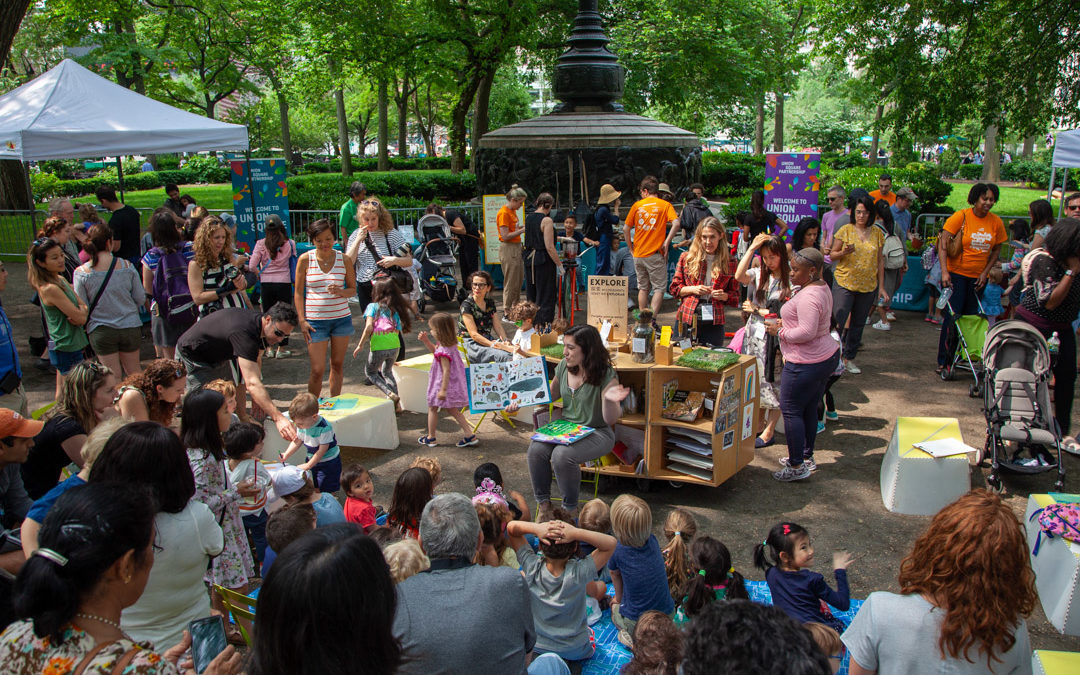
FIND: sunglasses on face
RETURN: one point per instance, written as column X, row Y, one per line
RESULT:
column 479, row 284
column 280, row 334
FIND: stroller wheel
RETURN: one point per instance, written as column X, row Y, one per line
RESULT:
column 975, row 391
column 946, row 374
column 421, row 303
column 994, row 484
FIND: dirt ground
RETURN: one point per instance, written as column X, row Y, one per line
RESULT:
column 840, row 505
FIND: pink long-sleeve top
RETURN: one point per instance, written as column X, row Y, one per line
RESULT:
column 804, row 336
column 277, row 269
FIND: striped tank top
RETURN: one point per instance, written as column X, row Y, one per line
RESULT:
column 319, row 304
column 213, row 279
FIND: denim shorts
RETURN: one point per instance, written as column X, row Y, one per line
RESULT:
column 65, row 361
column 331, row 328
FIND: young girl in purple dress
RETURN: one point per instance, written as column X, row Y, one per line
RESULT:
column 446, row 380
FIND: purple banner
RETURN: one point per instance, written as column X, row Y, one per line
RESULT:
column 791, row 186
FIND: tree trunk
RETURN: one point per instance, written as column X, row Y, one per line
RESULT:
column 426, row 128
column 401, row 102
column 457, row 125
column 384, row 131
column 991, row 171
column 13, row 188
column 283, row 111
column 778, row 123
column 1029, row 147
column 133, row 78
column 876, row 134
column 480, row 114
column 759, row 127
column 343, row 132
column 11, row 16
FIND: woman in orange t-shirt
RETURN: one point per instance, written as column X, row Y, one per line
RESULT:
column 982, row 234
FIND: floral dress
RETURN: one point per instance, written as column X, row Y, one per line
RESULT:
column 24, row 653
column 233, row 567
column 755, row 337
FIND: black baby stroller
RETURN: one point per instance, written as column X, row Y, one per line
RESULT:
column 1021, row 433
column 438, row 258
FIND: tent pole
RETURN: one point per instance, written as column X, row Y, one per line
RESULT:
column 1050, row 190
column 30, row 201
column 1064, row 187
column 120, row 176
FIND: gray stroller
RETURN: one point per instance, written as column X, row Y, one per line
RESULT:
column 1021, row 433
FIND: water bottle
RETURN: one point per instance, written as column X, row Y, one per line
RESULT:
column 943, row 299
column 1054, row 343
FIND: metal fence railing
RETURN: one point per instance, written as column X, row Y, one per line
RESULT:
column 929, row 225
column 17, row 228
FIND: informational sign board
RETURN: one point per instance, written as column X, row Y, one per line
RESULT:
column 258, row 191
column 607, row 302
column 791, row 186
column 492, row 204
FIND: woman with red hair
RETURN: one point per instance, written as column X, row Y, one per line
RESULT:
column 965, row 589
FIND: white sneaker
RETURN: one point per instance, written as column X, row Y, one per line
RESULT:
column 852, row 368
column 890, row 316
column 882, row 325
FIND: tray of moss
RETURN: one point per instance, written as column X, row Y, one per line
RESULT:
column 555, row 351
column 711, row 360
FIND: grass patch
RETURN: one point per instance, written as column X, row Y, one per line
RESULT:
column 215, row 197
column 1014, row 200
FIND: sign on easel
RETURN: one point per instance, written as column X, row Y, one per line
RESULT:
column 492, row 204
column 607, row 302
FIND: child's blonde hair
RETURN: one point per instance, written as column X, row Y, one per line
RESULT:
column 826, row 638
column 303, row 405
column 595, row 516
column 223, row 387
column 432, row 466
column 523, row 310
column 995, row 275
column 97, row 439
column 679, row 528
column 443, row 329
column 405, row 558
column 631, row 520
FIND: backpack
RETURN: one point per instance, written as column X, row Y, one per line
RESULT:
column 587, row 218
column 893, row 250
column 384, row 332
column 1058, row 520
column 171, row 292
column 693, row 212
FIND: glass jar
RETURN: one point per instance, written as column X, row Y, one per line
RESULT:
column 643, row 339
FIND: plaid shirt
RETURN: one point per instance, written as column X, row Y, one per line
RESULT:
column 689, row 304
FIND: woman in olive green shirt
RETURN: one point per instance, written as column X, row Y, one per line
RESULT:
column 591, row 396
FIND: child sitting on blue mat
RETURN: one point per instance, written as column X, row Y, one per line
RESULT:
column 637, row 567
column 784, row 555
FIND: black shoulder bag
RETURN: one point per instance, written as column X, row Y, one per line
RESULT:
column 88, row 352
column 398, row 275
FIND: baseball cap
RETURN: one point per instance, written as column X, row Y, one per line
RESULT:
column 14, row 424
column 907, row 193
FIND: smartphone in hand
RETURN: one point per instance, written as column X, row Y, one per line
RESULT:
column 207, row 641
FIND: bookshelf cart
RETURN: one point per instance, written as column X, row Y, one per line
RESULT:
column 729, row 427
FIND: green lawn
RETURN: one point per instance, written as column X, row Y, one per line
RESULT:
column 1014, row 201
column 216, row 197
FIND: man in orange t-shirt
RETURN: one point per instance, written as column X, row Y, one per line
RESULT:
column 884, row 191
column 982, row 233
column 648, row 223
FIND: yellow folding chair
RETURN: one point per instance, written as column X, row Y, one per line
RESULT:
column 465, row 410
column 241, row 607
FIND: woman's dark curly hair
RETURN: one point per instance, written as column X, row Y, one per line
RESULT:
column 979, row 189
column 596, row 361
column 1063, row 241
column 163, row 372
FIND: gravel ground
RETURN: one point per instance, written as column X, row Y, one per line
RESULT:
column 840, row 505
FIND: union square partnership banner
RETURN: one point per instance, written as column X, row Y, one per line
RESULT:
column 258, row 191
column 791, row 186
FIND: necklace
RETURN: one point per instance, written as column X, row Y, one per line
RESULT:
column 100, row 619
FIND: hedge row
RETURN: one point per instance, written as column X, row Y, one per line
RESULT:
column 329, row 191
column 372, row 164
column 147, row 180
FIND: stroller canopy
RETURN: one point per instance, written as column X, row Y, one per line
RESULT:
column 1015, row 332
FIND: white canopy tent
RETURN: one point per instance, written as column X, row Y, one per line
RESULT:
column 71, row 112
column 1066, row 156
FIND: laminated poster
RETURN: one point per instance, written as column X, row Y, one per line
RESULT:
column 493, row 386
column 747, row 421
